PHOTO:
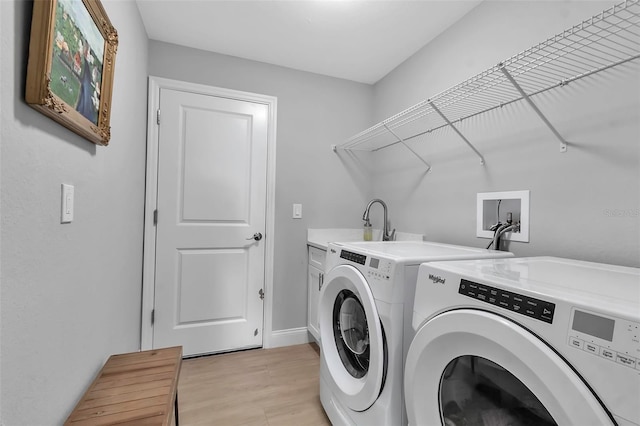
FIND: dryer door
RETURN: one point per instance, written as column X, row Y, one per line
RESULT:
column 474, row 367
column 351, row 337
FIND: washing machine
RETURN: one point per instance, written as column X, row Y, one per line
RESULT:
column 525, row 341
column 364, row 317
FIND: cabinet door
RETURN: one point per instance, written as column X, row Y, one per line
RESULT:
column 315, row 277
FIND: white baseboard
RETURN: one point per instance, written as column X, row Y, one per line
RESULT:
column 288, row 337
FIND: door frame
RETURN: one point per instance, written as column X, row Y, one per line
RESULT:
column 149, row 251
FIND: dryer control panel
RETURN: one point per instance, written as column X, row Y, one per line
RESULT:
column 519, row 303
column 615, row 339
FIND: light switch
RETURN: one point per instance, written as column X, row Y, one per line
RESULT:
column 297, row 211
column 67, row 204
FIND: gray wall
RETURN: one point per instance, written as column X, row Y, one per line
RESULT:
column 584, row 203
column 70, row 293
column 313, row 112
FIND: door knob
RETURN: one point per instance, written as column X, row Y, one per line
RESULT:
column 257, row 236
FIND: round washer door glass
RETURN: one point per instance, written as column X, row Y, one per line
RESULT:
column 476, row 391
column 351, row 333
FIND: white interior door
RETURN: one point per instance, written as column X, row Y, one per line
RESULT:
column 211, row 200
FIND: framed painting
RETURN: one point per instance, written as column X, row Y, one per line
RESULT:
column 71, row 64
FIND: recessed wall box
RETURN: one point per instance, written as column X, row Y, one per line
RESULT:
column 494, row 207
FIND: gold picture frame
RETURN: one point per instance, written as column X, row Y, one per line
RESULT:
column 71, row 64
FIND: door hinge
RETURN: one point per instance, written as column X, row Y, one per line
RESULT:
column 261, row 294
column 155, row 217
column 153, row 316
column 158, row 116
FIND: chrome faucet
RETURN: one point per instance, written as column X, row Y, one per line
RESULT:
column 500, row 228
column 385, row 231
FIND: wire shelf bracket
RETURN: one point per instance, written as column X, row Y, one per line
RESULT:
column 455, row 129
column 609, row 39
column 563, row 142
column 408, row 147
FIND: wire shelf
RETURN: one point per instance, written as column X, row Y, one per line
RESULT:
column 606, row 40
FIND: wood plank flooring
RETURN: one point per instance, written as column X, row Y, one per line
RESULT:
column 255, row 387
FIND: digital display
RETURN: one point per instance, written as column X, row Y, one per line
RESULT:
column 593, row 325
column 374, row 263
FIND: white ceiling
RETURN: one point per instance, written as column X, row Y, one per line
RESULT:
column 355, row 40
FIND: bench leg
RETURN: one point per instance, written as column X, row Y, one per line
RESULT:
column 176, row 410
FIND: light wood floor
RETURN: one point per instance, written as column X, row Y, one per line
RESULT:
column 255, row 387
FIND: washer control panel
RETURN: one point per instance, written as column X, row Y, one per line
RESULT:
column 353, row 257
column 521, row 304
column 614, row 339
column 375, row 268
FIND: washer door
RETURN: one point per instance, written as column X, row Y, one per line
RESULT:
column 473, row 367
column 351, row 337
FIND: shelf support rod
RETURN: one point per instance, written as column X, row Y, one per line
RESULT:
column 455, row 129
column 563, row 143
column 408, row 147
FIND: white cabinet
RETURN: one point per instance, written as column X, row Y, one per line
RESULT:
column 315, row 279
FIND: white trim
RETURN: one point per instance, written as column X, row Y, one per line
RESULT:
column 288, row 337
column 148, row 279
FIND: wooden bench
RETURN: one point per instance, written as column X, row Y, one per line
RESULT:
column 138, row 388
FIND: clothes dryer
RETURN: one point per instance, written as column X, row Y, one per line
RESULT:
column 527, row 341
column 364, row 318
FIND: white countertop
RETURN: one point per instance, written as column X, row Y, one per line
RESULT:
column 321, row 238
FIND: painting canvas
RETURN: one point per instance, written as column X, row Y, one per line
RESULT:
column 76, row 66
column 71, row 60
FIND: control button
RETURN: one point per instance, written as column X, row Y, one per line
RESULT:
column 626, row 360
column 608, row 354
column 516, row 308
column 590, row 347
column 576, row 343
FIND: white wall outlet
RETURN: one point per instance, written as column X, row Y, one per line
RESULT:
column 66, row 215
column 297, row 211
column 495, row 206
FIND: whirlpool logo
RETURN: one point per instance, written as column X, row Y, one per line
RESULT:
column 436, row 279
